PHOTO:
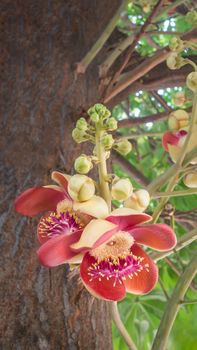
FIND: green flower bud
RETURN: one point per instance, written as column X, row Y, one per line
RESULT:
column 94, row 117
column 81, row 188
column 78, row 135
column 174, row 61
column 106, row 114
column 176, row 44
column 83, row 164
column 124, row 147
column 91, row 110
column 121, row 189
column 107, row 141
column 99, row 108
column 82, row 124
column 191, row 17
column 191, row 81
column 178, row 119
column 112, row 124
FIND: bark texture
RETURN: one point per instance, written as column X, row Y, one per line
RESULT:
column 41, row 99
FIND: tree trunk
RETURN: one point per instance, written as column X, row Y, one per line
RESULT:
column 42, row 98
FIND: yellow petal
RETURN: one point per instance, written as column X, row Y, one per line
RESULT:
column 92, row 232
column 124, row 211
column 96, row 206
column 54, row 187
column 174, row 152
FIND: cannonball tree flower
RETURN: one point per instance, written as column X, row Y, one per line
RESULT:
column 64, row 219
column 37, row 200
column 174, row 141
column 112, row 260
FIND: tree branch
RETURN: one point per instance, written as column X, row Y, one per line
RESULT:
column 129, row 168
column 173, row 305
column 120, row 326
column 84, row 63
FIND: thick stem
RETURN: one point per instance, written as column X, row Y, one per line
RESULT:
column 120, row 326
column 173, row 305
column 102, row 166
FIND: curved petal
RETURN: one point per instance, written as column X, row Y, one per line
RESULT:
column 126, row 218
column 93, row 232
column 146, row 279
column 171, row 138
column 61, row 179
column 56, row 251
column 37, row 200
column 96, row 207
column 157, row 236
column 98, row 286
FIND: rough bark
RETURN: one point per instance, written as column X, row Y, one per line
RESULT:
column 41, row 100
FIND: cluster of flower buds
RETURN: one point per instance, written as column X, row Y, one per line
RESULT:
column 97, row 112
column 175, row 61
column 178, row 119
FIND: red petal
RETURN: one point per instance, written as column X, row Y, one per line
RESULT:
column 104, row 288
column 125, row 222
column 37, row 200
column 61, row 179
column 56, row 251
column 157, row 236
column 145, row 281
column 172, row 138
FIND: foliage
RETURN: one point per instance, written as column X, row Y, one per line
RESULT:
column 142, row 314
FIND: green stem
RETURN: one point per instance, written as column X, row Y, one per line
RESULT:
column 102, row 166
column 143, row 134
column 182, row 302
column 173, row 305
column 120, row 326
column 175, row 193
column 82, row 66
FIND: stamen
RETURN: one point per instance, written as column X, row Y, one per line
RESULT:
column 119, row 268
column 56, row 224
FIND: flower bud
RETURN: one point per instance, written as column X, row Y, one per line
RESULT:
column 124, row 147
column 139, row 200
column 94, row 117
column 82, row 124
column 174, row 61
column 81, row 188
column 83, row 164
column 107, row 141
column 191, row 180
column 178, row 119
column 121, row 189
column 179, row 98
column 112, row 124
column 191, row 81
column 176, row 44
column 78, row 135
column 191, row 17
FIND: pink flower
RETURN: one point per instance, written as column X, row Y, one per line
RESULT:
column 112, row 260
column 64, row 219
column 174, row 141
